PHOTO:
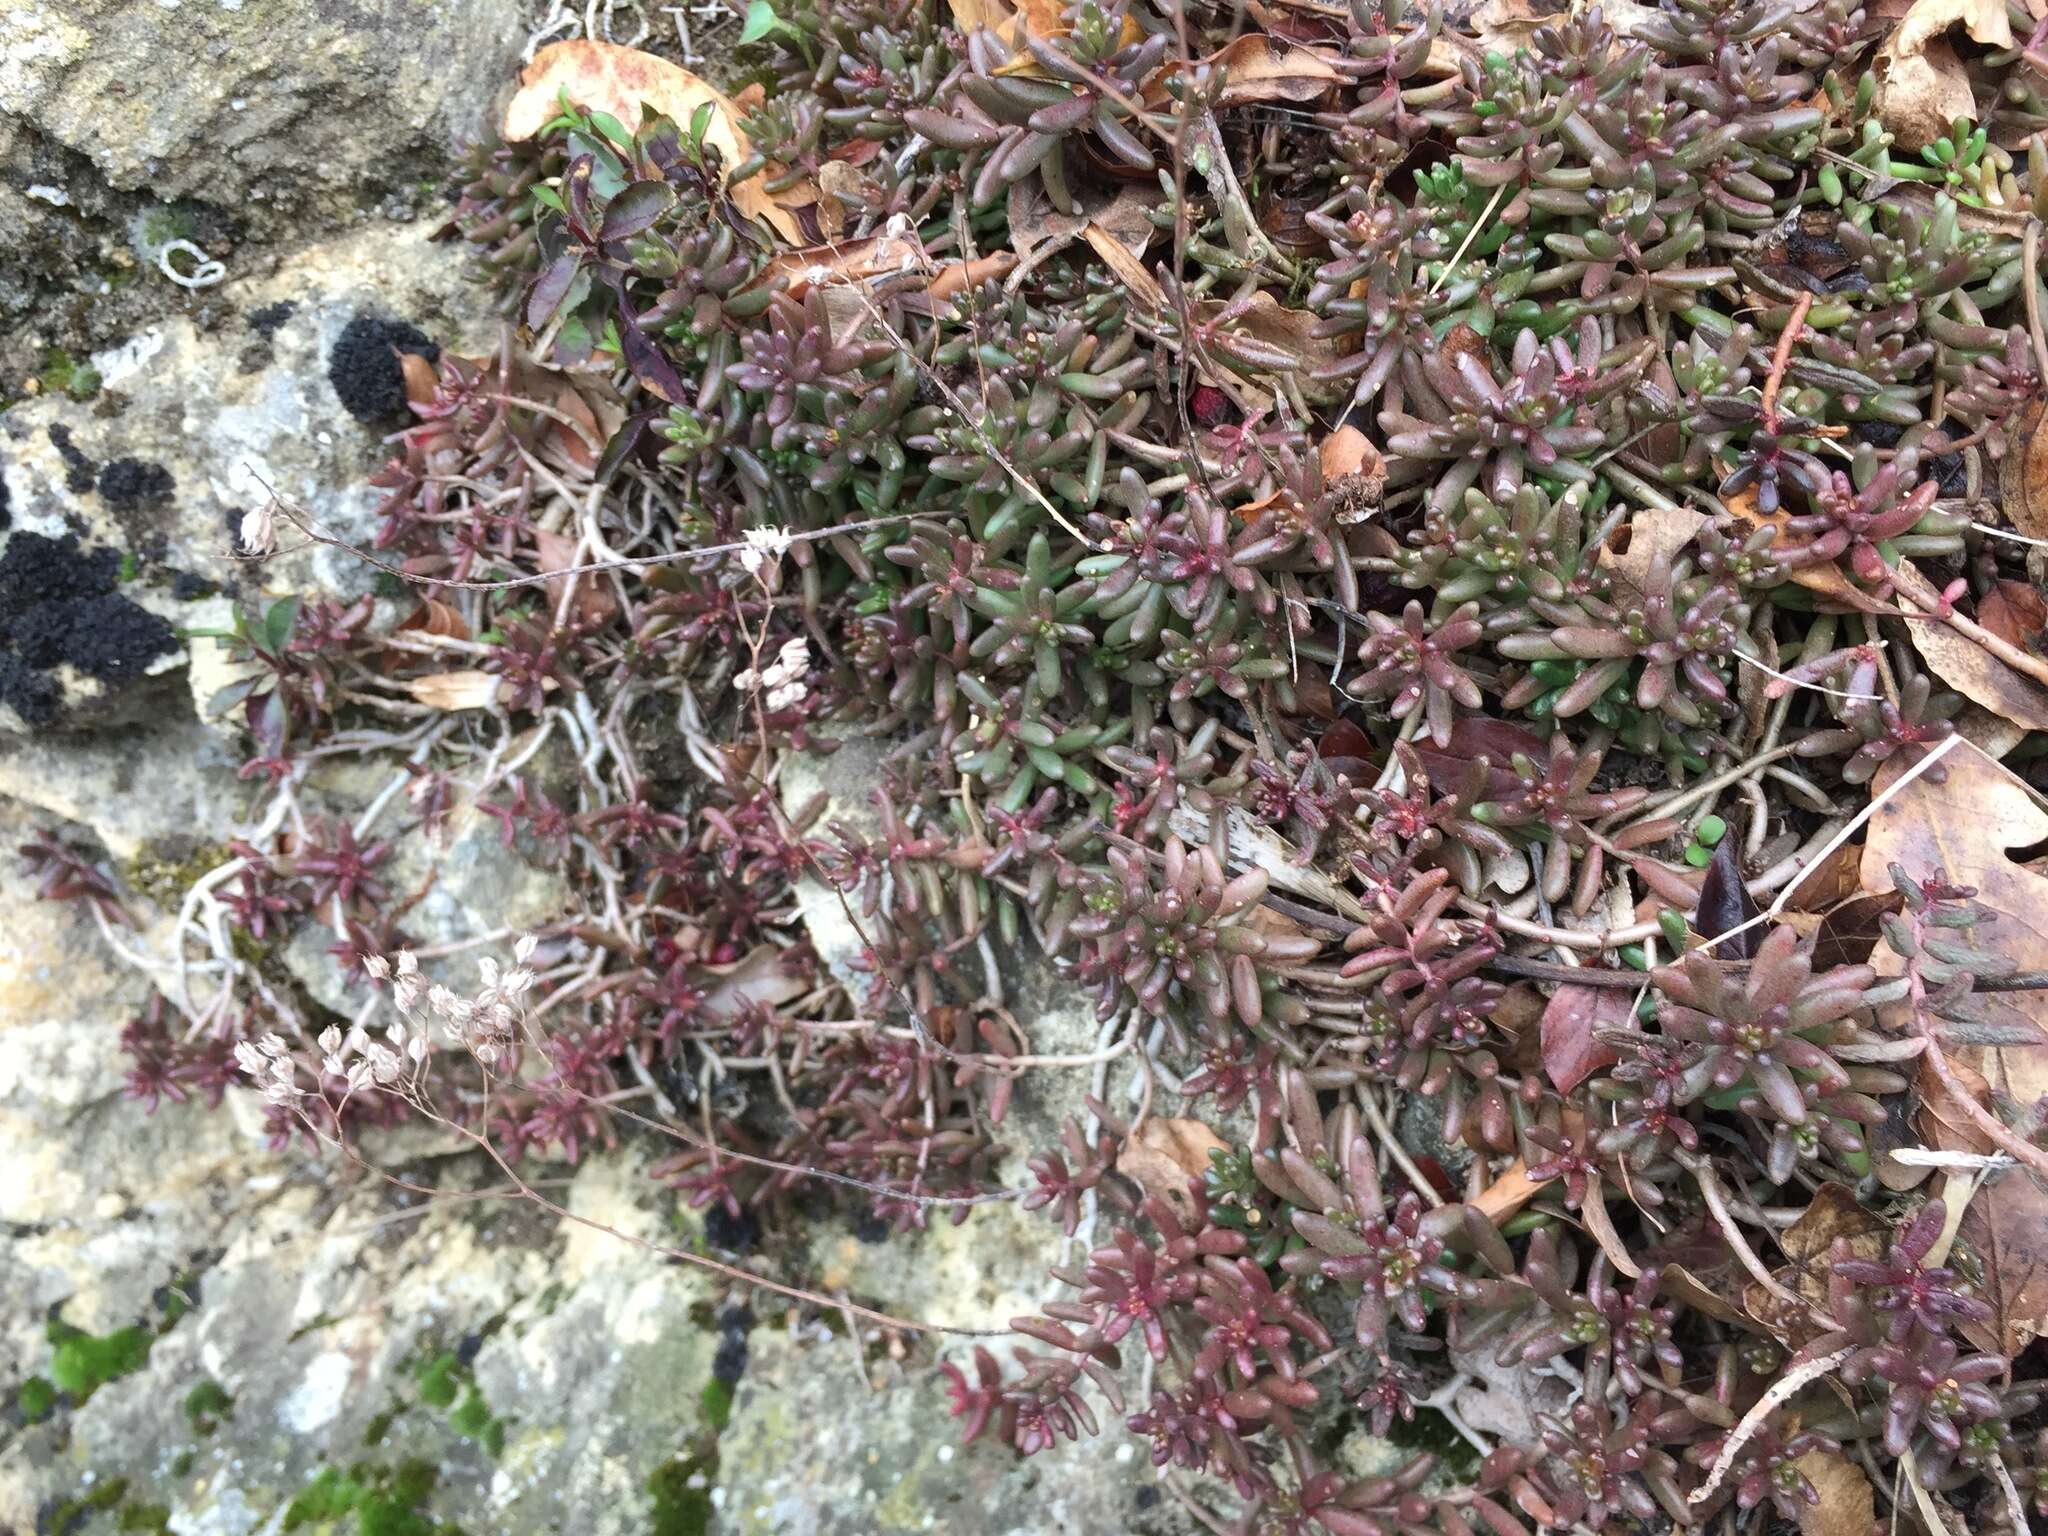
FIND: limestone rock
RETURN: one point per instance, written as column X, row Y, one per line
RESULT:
column 160, row 789
column 270, row 111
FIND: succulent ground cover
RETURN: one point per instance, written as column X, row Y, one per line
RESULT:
column 1472, row 571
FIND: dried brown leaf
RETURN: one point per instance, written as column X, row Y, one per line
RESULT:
column 1261, row 68
column 1035, row 222
column 1833, row 1215
column 1164, row 1154
column 1926, row 20
column 1980, row 676
column 606, row 77
column 1651, row 534
column 594, row 603
column 1127, row 268
column 757, row 977
column 2015, row 612
column 1845, row 1505
column 1961, row 830
column 422, row 380
column 2023, row 472
column 1825, row 580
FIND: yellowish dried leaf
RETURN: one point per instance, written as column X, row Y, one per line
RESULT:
column 455, row 690
column 1128, row 269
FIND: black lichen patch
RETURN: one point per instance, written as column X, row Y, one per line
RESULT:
column 58, row 604
column 79, row 471
column 269, row 320
column 736, row 1234
column 364, row 369
column 132, row 483
column 6, row 505
column 730, row 1362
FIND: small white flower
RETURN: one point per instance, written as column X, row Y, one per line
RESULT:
column 408, row 963
column 763, row 552
column 523, row 950
column 377, row 966
column 273, row 1045
column 359, row 1075
column 488, row 969
column 251, row 1060
column 782, row 680
column 330, row 1039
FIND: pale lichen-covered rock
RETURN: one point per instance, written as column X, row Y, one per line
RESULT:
column 814, row 1450
column 159, row 789
column 100, row 1204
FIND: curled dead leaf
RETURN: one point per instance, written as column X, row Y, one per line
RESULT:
column 607, row 77
column 1923, row 93
column 455, row 690
column 434, row 617
column 1843, row 1504
column 1127, row 268
column 1163, row 1154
